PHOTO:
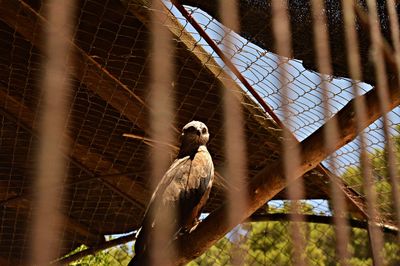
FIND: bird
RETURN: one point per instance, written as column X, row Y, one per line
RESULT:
column 183, row 190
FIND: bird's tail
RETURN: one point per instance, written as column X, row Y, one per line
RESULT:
column 139, row 260
column 141, row 243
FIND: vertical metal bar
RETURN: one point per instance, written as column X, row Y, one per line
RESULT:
column 361, row 110
column 291, row 151
column 51, row 168
column 394, row 25
column 161, row 119
column 382, row 83
column 235, row 146
column 331, row 133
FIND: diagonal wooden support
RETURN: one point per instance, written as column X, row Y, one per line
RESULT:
column 270, row 180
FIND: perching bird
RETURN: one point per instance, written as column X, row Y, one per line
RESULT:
column 183, row 190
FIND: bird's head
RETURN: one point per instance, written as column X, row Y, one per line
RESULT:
column 196, row 132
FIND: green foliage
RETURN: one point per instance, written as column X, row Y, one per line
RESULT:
column 391, row 253
column 116, row 256
column 216, row 255
column 380, row 176
column 268, row 243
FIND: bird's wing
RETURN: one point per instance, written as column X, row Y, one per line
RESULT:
column 203, row 169
column 190, row 188
column 165, row 181
column 150, row 214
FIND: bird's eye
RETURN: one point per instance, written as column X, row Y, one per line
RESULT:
column 204, row 131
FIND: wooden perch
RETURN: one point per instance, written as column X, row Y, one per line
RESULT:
column 270, row 180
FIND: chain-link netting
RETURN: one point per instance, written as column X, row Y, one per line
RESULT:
column 107, row 184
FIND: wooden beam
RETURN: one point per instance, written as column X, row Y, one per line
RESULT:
column 270, row 180
column 30, row 24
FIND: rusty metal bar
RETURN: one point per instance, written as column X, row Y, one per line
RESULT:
column 390, row 146
column 291, row 152
column 45, row 243
column 161, row 120
column 380, row 72
column 349, row 9
column 323, row 54
column 234, row 135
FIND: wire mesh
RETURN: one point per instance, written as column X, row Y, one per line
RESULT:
column 108, row 183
